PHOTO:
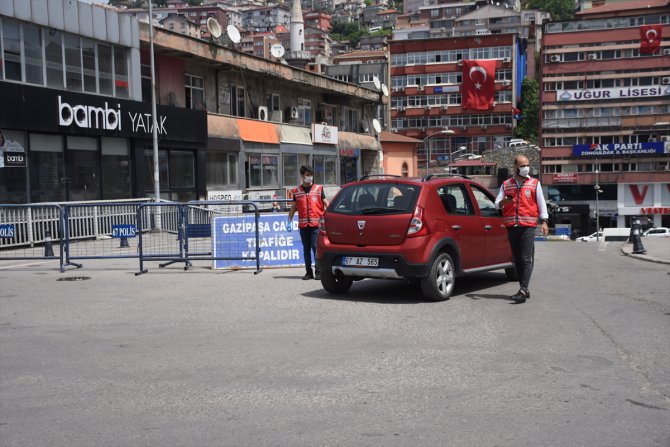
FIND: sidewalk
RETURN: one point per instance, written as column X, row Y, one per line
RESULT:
column 658, row 250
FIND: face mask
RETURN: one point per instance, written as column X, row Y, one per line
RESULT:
column 524, row 171
column 308, row 179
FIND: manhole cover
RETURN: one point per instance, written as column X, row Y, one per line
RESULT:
column 74, row 278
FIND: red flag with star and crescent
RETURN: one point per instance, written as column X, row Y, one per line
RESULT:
column 650, row 38
column 479, row 84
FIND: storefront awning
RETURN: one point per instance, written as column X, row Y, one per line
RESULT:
column 222, row 127
column 350, row 140
column 257, row 131
column 296, row 135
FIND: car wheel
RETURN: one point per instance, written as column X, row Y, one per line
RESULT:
column 439, row 284
column 335, row 283
column 512, row 274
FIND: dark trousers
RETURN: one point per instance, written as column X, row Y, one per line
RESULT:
column 522, row 241
column 308, row 236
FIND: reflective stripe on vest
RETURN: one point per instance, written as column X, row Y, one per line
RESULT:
column 523, row 211
column 309, row 206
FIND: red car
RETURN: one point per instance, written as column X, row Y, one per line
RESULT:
column 429, row 229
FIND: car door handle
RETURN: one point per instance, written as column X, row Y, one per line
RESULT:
column 487, row 227
column 456, row 227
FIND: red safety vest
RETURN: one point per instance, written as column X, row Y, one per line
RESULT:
column 523, row 210
column 310, row 206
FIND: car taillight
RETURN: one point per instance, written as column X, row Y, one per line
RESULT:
column 417, row 226
column 322, row 226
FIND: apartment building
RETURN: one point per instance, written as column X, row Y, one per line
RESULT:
column 426, row 88
column 605, row 95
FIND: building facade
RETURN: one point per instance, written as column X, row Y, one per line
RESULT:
column 605, row 114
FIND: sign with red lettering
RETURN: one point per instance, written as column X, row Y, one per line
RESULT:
column 638, row 195
column 655, row 210
column 569, row 177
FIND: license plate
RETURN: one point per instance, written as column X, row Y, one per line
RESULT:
column 360, row 262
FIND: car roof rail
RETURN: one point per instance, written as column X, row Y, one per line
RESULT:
column 369, row 176
column 444, row 174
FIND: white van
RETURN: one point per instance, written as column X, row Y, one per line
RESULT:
column 616, row 234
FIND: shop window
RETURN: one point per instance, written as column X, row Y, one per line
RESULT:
column 47, row 177
column 263, row 170
column 324, row 169
column 149, row 173
column 291, row 168
column 182, row 170
column 221, row 169
column 115, row 169
column 13, row 181
column 195, row 91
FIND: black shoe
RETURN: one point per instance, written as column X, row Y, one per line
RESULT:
column 307, row 276
column 521, row 296
column 317, row 276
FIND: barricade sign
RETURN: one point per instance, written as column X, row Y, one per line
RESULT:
column 7, row 231
column 123, row 231
column 235, row 237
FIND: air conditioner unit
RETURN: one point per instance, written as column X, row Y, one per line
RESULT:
column 666, row 52
column 395, row 89
column 464, row 127
column 423, row 129
column 402, row 89
column 263, row 113
column 401, row 108
column 509, row 126
column 555, row 58
column 665, row 80
column 484, row 127
column 593, row 57
column 427, row 107
column 294, row 113
column 445, row 107
column 665, row 138
column 277, row 116
column 420, row 88
column 394, row 129
column 507, row 60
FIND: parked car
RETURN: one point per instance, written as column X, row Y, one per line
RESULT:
column 429, row 230
column 592, row 237
column 657, row 232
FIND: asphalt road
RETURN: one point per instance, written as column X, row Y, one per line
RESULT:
column 203, row 358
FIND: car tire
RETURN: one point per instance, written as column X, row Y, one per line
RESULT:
column 441, row 279
column 335, row 283
column 511, row 274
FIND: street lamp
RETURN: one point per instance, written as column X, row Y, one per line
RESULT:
column 444, row 131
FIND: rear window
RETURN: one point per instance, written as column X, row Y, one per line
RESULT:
column 376, row 198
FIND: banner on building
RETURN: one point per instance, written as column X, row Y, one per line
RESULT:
column 324, row 134
column 478, row 88
column 12, row 154
column 570, row 177
column 598, row 150
column 650, row 91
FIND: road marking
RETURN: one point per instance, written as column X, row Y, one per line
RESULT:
column 21, row 265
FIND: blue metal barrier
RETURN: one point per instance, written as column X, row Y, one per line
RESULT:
column 29, row 232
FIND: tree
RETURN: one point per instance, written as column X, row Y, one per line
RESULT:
column 559, row 9
column 529, row 125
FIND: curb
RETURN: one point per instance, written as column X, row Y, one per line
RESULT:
column 645, row 257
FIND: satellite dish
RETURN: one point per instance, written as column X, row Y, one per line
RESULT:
column 233, row 34
column 277, row 50
column 376, row 125
column 214, row 27
column 375, row 81
column 385, row 90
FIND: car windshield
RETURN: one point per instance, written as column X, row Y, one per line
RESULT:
column 376, row 198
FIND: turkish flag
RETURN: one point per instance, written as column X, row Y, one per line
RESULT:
column 650, row 38
column 479, row 84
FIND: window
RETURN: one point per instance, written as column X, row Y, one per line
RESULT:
column 221, row 169
column 237, row 101
column 182, row 170
column 275, row 104
column 263, row 170
column 89, row 63
column 47, row 175
column 32, row 44
column 405, row 169
column 11, row 40
column 485, row 203
column 115, row 168
column 121, row 73
column 305, row 111
column 455, row 199
column 73, row 73
column 292, row 164
column 53, row 43
column 105, row 69
column 195, row 91
column 324, row 169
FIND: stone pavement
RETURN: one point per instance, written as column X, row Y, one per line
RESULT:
column 657, row 248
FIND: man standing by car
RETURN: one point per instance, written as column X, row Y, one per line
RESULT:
column 522, row 203
column 310, row 202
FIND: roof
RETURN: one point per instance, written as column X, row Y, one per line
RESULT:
column 488, row 12
column 471, row 163
column 390, row 137
column 360, row 54
column 388, row 11
column 627, row 6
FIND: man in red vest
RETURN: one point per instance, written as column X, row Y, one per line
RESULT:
column 522, row 203
column 310, row 202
